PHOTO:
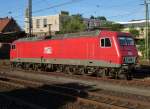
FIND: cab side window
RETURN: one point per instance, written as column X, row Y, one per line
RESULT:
column 105, row 42
column 13, row 47
column 102, row 43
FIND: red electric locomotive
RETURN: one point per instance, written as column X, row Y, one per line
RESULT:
column 104, row 53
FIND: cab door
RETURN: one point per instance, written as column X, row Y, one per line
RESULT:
column 106, row 49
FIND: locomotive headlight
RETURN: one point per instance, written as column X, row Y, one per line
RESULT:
column 137, row 60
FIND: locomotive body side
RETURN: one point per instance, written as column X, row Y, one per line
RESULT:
column 71, row 51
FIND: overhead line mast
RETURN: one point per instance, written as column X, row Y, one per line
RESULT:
column 147, row 46
column 146, row 30
column 30, row 17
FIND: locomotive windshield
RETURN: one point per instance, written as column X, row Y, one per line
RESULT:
column 126, row 41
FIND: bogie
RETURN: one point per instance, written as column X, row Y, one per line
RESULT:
column 75, row 70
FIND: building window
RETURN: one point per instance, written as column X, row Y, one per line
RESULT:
column 37, row 23
column 105, row 42
column 44, row 22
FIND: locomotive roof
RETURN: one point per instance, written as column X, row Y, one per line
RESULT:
column 69, row 35
column 62, row 36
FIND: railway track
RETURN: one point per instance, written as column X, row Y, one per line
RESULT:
column 137, row 83
column 142, row 83
column 87, row 99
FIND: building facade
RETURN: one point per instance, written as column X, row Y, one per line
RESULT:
column 9, row 30
column 93, row 23
column 136, row 24
column 46, row 25
column 8, row 25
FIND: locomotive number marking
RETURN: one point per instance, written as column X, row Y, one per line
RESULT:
column 47, row 50
column 130, row 53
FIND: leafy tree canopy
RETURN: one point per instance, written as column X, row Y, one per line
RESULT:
column 92, row 17
column 134, row 32
column 73, row 24
column 113, row 26
column 101, row 18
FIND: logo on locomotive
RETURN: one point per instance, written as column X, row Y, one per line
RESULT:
column 47, row 50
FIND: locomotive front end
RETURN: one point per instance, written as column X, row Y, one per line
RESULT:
column 128, row 51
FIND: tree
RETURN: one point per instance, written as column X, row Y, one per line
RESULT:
column 134, row 32
column 102, row 18
column 141, row 46
column 73, row 24
column 92, row 17
column 112, row 26
column 117, row 27
column 99, row 17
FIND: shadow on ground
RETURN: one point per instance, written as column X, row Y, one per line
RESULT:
column 46, row 99
column 142, row 72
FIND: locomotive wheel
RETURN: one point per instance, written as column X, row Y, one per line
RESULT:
column 12, row 66
column 67, row 70
column 59, row 68
column 39, row 67
column 19, row 66
column 81, row 71
column 129, row 77
column 35, row 67
column 26, row 66
column 122, row 76
column 48, row 68
column 125, row 75
column 101, row 73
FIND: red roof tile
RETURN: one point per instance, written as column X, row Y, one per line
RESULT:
column 3, row 23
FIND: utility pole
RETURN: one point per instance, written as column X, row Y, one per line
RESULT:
column 30, row 17
column 147, row 47
column 147, row 38
column 49, row 29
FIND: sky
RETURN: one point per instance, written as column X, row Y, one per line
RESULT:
column 114, row 10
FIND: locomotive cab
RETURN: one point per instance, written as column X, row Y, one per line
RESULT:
column 128, row 53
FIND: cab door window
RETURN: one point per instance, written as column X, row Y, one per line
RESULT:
column 105, row 42
column 13, row 47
